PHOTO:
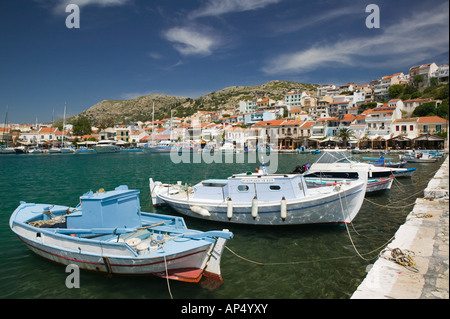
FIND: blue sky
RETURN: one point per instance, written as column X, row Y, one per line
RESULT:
column 128, row 48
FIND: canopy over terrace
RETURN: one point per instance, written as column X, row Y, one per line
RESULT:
column 400, row 142
column 429, row 141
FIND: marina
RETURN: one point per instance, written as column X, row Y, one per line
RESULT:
column 269, row 262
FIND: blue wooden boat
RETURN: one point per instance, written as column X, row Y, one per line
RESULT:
column 108, row 233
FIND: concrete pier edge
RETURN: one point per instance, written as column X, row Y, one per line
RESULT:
column 426, row 234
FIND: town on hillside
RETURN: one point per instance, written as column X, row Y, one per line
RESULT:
column 398, row 111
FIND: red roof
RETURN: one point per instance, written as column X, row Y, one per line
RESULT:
column 431, row 119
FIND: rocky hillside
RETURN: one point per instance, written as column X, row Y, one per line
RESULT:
column 110, row 112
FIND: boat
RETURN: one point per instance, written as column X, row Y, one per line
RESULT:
column 20, row 150
column 418, row 157
column 106, row 146
column 35, row 150
column 162, row 147
column 108, row 233
column 356, row 150
column 373, row 184
column 262, row 199
column 227, row 147
column 54, row 150
column 339, row 163
column 315, row 152
column 7, row 150
column 384, row 162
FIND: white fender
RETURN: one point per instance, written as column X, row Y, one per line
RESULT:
column 229, row 208
column 200, row 211
column 254, row 207
column 283, row 208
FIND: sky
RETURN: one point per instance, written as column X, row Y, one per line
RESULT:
column 128, row 48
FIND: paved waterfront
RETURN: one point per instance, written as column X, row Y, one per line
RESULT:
column 426, row 235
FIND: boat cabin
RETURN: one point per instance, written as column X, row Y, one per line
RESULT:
column 242, row 188
column 112, row 209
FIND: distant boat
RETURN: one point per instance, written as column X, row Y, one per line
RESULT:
column 257, row 199
column 373, row 184
column 108, row 233
column 384, row 162
column 419, row 157
column 106, row 146
column 162, row 147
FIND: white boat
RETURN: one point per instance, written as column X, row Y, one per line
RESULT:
column 7, row 150
column 106, row 146
column 35, row 150
column 373, row 184
column 418, row 157
column 257, row 199
column 339, row 164
column 54, row 150
column 108, row 233
column 227, row 147
column 162, row 147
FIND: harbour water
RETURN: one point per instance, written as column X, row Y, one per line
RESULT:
column 290, row 262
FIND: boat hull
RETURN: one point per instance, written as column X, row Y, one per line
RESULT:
column 335, row 207
column 373, row 185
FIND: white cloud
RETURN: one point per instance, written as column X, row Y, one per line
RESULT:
column 189, row 41
column 218, row 7
column 414, row 38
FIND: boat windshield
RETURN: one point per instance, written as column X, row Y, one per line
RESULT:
column 329, row 157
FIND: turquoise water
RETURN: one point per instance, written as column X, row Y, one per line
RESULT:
column 313, row 262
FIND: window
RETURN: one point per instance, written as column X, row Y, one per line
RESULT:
column 403, row 128
column 438, row 128
column 397, row 128
column 411, row 127
column 275, row 187
column 243, row 188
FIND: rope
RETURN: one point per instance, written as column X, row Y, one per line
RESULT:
column 404, row 258
column 167, row 276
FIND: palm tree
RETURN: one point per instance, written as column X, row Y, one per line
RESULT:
column 345, row 134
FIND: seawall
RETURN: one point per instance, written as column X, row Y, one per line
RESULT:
column 423, row 241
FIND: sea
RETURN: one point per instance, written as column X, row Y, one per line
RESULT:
column 260, row 262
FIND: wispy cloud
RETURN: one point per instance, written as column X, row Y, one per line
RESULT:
column 419, row 36
column 191, row 41
column 219, row 7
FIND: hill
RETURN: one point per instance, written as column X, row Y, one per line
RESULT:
column 109, row 112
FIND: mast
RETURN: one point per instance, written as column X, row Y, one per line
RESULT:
column 64, row 123
column 153, row 125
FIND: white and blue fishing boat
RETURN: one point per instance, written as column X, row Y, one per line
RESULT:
column 262, row 199
column 373, row 184
column 340, row 164
column 108, row 233
column 419, row 157
column 384, row 162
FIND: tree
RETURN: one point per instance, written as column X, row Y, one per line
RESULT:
column 82, row 126
column 344, row 135
column 395, row 91
column 442, row 110
column 426, row 109
column 418, row 79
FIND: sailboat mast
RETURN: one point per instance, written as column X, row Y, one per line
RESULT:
column 153, row 125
